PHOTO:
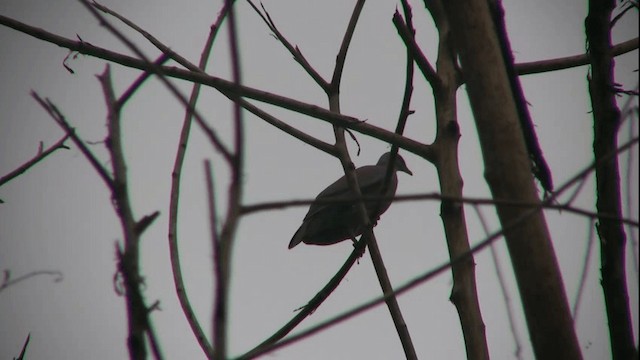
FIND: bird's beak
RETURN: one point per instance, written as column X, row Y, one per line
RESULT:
column 406, row 169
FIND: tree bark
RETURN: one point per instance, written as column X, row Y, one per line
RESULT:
column 606, row 121
column 508, row 173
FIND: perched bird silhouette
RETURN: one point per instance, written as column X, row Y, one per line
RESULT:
column 330, row 223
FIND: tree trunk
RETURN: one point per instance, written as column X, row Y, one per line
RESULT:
column 508, row 173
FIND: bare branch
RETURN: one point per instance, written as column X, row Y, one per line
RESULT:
column 408, row 37
column 57, row 116
column 230, row 90
column 228, row 232
column 293, row 50
column 213, row 138
column 7, row 281
column 344, row 47
column 585, row 270
column 298, row 134
column 543, row 66
column 175, row 194
column 36, row 159
column 24, row 348
column 310, row 307
column 139, row 81
column 606, row 123
column 503, row 286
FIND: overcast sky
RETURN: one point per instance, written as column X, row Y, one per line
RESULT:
column 58, row 216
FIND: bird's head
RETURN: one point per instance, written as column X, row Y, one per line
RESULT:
column 399, row 164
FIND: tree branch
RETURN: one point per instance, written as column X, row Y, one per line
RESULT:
column 36, row 159
column 606, row 122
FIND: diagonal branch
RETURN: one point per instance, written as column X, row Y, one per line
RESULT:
column 57, row 116
column 344, row 47
column 213, row 137
column 228, row 89
column 293, row 50
column 407, row 36
column 36, row 159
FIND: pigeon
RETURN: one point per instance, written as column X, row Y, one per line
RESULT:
column 331, row 223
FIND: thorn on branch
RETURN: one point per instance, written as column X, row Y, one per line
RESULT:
column 144, row 223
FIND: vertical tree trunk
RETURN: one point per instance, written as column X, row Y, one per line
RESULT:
column 606, row 121
column 464, row 294
column 508, row 173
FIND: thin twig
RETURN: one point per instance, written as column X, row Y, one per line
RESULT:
column 270, row 205
column 310, row 307
column 174, row 200
column 545, row 66
column 341, row 57
column 152, row 39
column 293, row 50
column 503, row 286
column 24, row 348
column 139, row 81
column 149, row 65
column 7, row 281
column 228, row 232
column 298, row 134
column 57, row 116
column 220, row 289
column 407, row 36
column 36, row 159
column 585, row 270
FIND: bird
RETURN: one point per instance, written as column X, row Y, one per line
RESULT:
column 331, row 223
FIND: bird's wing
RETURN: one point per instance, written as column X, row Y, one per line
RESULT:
column 369, row 178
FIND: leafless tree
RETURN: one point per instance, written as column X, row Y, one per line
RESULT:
column 473, row 50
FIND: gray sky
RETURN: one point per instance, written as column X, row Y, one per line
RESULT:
column 58, row 216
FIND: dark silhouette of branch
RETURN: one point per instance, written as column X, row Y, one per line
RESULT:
column 122, row 100
column 174, row 200
column 36, row 159
column 606, row 119
column 336, row 78
column 224, row 258
column 503, row 286
column 310, row 307
column 632, row 123
column 23, row 352
column 464, row 293
column 508, row 175
column 585, row 270
column 7, row 281
column 57, row 116
column 271, row 344
column 293, row 50
column 544, row 66
column 298, row 134
column 278, row 205
column 349, row 169
column 228, row 89
column 220, row 282
column 539, row 166
column 138, row 319
column 150, row 66
column 407, row 36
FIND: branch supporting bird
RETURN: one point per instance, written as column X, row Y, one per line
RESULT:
column 329, row 223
